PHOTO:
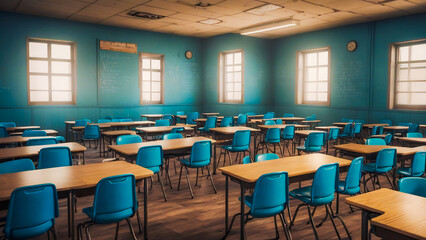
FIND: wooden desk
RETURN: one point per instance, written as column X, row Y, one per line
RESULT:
column 327, row 128
column 299, row 168
column 18, row 139
column 210, row 114
column 108, row 137
column 311, row 123
column 305, row 133
column 402, row 215
column 71, row 180
column 22, row 128
column 33, row 151
column 292, row 119
column 412, row 141
column 49, row 132
column 396, row 128
column 152, row 116
column 265, row 128
column 101, row 126
column 341, row 124
column 155, row 131
column 372, row 125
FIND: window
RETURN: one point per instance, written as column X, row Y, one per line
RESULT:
column 151, row 78
column 51, row 72
column 407, row 75
column 313, row 77
column 231, row 80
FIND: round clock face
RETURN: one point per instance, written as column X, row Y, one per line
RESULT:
column 351, row 46
column 188, row 54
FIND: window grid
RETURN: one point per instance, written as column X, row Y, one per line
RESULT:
column 152, row 86
column 231, row 76
column 54, row 96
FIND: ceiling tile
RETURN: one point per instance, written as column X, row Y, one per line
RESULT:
column 347, row 5
column 51, row 8
column 377, row 11
column 307, row 7
column 9, row 5
column 170, row 5
column 154, row 10
column 406, row 6
column 119, row 4
column 187, row 17
column 98, row 11
column 282, row 13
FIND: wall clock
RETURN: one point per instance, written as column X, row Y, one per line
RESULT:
column 351, row 46
column 188, row 54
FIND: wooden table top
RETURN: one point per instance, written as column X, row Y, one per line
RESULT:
column 373, row 149
column 395, row 128
column 295, row 166
column 168, row 145
column 282, row 126
column 305, row 133
column 31, row 151
column 341, row 124
column 152, row 115
column 118, row 133
column 422, row 126
column 232, row 130
column 291, row 118
column 181, row 116
column 327, row 128
column 67, row 178
column 210, row 114
column 128, row 124
column 372, row 125
column 219, row 118
column 401, row 212
column 18, row 139
column 162, row 129
column 101, row 125
column 22, row 128
column 406, row 139
column 311, row 121
column 48, row 132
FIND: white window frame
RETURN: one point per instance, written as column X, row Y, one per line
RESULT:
column 49, row 59
column 222, row 91
column 394, row 75
column 301, row 73
column 161, row 71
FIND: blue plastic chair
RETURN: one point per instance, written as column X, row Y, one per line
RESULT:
column 269, row 122
column 377, row 130
column 270, row 198
column 8, row 124
column 250, row 113
column 246, row 160
column 226, row 122
column 357, row 129
column 414, row 135
column 385, row 162
column 128, row 139
column 388, row 139
column 92, row 133
column 320, row 193
column 115, row 120
column 3, row 131
column 413, row 185
column 375, row 141
column 413, row 128
column 201, row 154
column 179, row 113
column 169, row 136
column 268, row 115
column 42, row 141
column 313, row 143
column 151, row 157
column 417, row 168
column 386, row 121
column 126, row 120
column 210, row 123
column 60, row 139
column 177, row 130
column 240, row 144
column 81, row 123
column 333, row 136
column 168, row 117
column 351, row 185
column 272, row 137
column 51, row 157
column 266, row 157
column 190, row 118
column 242, row 120
column 18, row 165
column 114, row 201
column 288, row 115
column 34, row 133
column 279, row 121
column 162, row 122
column 86, row 119
column 347, row 132
column 32, row 212
column 288, row 136
column 104, row 120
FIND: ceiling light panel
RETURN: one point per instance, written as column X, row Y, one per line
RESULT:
column 263, row 9
column 210, row 21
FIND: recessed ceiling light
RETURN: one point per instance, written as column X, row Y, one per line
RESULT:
column 210, row 21
column 269, row 27
column 263, row 9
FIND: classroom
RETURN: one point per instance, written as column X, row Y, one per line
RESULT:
column 212, row 119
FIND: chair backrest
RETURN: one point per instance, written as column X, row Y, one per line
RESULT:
column 150, row 156
column 246, row 160
column 414, row 135
column 269, row 122
column 357, row 128
column 310, row 118
column 250, row 113
column 177, row 129
column 60, row 139
column 191, row 117
column 92, row 132
column 386, row 121
column 169, row 136
column 288, row 115
column 162, row 122
column 405, row 124
column 54, row 157
column 324, row 184
column 168, row 117
column 87, row 120
column 32, row 211
column 3, row 131
column 418, row 164
column 180, row 113
column 348, row 129
column 375, row 141
column 266, row 157
column 8, row 124
column 128, row 139
column 269, row 115
column 353, row 178
column 279, row 121
column 386, row 158
column 126, row 120
column 201, row 152
column 413, row 127
column 242, row 119
column 81, row 123
column 210, row 123
column 42, row 141
column 18, row 165
column 413, row 185
column 273, row 135
column 104, row 120
column 270, row 195
column 115, row 120
column 388, row 138
column 115, row 195
column 226, row 122
column 359, row 121
column 315, row 141
column 313, row 117
column 288, row 132
column 34, row 133
column 241, row 140
column 377, row 130
column 333, row 134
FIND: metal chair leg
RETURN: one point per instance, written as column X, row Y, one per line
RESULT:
column 295, row 214
column 196, row 179
column 312, row 222
column 117, row 228
column 387, row 176
column 139, row 221
column 131, row 228
column 284, row 223
column 87, row 233
column 187, row 180
column 332, row 220
column 160, row 178
column 277, row 234
column 211, row 179
column 180, row 177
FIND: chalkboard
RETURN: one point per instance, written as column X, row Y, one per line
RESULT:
column 118, row 78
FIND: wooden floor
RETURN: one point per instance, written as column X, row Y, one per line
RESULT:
column 203, row 217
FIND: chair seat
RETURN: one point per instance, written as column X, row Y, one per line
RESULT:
column 262, row 213
column 232, row 149
column 406, row 171
column 155, row 169
column 203, row 129
column 303, row 194
column 371, row 168
column 272, row 140
column 110, row 217
column 311, row 149
column 344, row 135
column 350, row 191
column 196, row 164
column 60, row 139
column 30, row 232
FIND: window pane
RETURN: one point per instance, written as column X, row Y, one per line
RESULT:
column 61, row 83
column 323, row 58
column 323, row 74
column 402, row 98
column 61, row 96
column 418, row 98
column 403, row 75
column 237, row 76
column 230, row 95
column 156, row 64
column 156, row 76
column 156, row 97
column 146, row 86
column 310, row 96
column 61, row 67
column 156, row 86
column 237, row 68
column 311, row 59
column 39, row 82
column 146, row 96
column 419, row 87
column 322, row 97
column 39, row 96
column 229, row 77
column 323, row 87
column 403, row 53
column 146, row 63
column 418, row 52
column 402, row 87
column 237, row 58
column 237, row 96
column 61, row 51
column 237, row 87
column 146, row 75
column 418, row 74
column 312, row 74
column 229, row 58
column 37, row 49
column 229, row 87
column 311, row 87
column 38, row 66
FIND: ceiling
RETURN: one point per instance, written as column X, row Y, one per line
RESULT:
column 182, row 17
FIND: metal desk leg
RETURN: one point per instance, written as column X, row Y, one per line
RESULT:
column 364, row 225
column 145, row 209
column 242, row 232
column 214, row 158
column 226, row 204
column 254, row 147
column 71, row 207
